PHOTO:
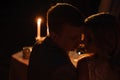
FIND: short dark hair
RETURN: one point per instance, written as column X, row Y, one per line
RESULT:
column 62, row 13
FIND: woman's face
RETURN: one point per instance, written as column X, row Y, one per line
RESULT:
column 105, row 39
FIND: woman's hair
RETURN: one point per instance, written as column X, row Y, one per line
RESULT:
column 101, row 19
column 104, row 28
column 62, row 13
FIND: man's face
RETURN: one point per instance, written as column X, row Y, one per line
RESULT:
column 70, row 37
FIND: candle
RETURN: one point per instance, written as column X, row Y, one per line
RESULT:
column 38, row 28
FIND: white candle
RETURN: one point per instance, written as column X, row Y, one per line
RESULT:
column 38, row 28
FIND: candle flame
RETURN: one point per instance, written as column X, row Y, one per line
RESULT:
column 39, row 21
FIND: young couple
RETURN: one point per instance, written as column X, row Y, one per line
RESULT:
column 70, row 30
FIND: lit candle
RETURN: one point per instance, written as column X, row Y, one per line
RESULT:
column 38, row 29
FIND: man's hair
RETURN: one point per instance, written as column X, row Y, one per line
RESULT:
column 62, row 13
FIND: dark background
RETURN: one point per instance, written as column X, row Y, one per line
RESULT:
column 18, row 24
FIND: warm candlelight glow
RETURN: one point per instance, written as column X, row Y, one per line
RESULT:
column 38, row 28
column 82, row 37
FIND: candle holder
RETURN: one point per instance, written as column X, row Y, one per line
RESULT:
column 39, row 40
column 26, row 52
